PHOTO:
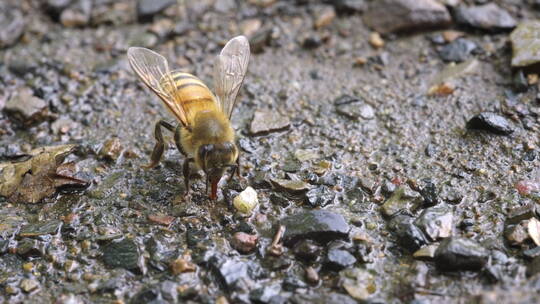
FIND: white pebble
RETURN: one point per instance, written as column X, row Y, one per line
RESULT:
column 246, row 201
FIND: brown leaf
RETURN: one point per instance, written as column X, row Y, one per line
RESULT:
column 32, row 180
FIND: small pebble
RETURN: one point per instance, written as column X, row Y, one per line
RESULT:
column 244, row 242
column 376, row 40
column 246, row 201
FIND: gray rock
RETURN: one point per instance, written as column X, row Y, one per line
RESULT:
column 123, row 254
column 436, row 222
column 489, row 17
column 233, row 273
column 457, row 253
column 148, row 8
column 319, row 225
column 490, row 122
column 459, row 50
column 338, row 259
column 525, row 44
column 386, row 16
column 265, row 122
column 12, row 25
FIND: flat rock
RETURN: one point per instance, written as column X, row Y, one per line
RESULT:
column 387, row 16
column 40, row 228
column 526, row 44
column 290, row 186
column 12, row 25
column 490, row 122
column 24, row 106
column 319, row 225
column 123, row 254
column 489, row 17
column 265, row 122
column 458, row 253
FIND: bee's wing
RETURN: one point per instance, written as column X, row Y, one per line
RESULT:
column 153, row 70
column 229, row 71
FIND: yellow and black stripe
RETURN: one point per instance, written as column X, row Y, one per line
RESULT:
column 191, row 93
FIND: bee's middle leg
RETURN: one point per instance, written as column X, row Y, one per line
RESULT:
column 159, row 147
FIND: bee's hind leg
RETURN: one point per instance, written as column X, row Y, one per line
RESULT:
column 160, row 144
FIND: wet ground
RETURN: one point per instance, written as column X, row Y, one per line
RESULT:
column 394, row 175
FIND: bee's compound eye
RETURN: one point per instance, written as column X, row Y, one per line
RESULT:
column 204, row 151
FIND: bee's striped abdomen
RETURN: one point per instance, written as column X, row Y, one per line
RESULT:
column 191, row 93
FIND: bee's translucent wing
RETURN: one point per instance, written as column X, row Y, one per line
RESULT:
column 153, row 70
column 229, row 71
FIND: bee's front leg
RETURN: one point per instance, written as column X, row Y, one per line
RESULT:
column 185, row 170
column 160, row 143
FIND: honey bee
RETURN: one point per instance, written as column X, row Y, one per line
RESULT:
column 204, row 134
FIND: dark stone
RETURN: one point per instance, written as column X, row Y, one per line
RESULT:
column 146, row 9
column 458, row 50
column 320, row 197
column 307, row 250
column 407, row 234
column 124, row 254
column 489, row 17
column 386, row 16
column 11, row 25
column 312, row 42
column 430, row 194
column 338, row 259
column 436, row 222
column 319, row 225
column 349, row 6
column 490, row 122
column 457, row 253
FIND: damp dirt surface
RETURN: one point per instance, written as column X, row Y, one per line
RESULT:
column 398, row 166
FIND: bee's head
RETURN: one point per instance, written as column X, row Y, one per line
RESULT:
column 214, row 159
